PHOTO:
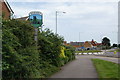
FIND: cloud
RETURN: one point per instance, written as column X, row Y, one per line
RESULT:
column 94, row 18
column 63, row 0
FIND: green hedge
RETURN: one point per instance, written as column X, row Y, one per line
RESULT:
column 20, row 55
column 23, row 59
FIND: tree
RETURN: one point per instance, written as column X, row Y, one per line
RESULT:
column 118, row 45
column 106, row 42
column 114, row 45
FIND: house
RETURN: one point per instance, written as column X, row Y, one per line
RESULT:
column 94, row 43
column 77, row 45
column 6, row 12
column 88, row 45
column 91, row 44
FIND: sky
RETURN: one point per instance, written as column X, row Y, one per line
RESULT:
column 84, row 20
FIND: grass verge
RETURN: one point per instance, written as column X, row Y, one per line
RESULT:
column 106, row 69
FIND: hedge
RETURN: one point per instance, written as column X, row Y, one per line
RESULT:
column 23, row 59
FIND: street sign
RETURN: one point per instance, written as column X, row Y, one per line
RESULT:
column 36, row 18
column 115, row 52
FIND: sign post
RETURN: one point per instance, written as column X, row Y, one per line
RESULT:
column 36, row 19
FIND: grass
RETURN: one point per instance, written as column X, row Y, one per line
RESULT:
column 106, row 69
column 88, row 51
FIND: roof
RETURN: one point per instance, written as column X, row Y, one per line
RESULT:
column 7, row 4
column 88, row 44
column 94, row 43
column 77, row 46
column 76, row 43
column 23, row 18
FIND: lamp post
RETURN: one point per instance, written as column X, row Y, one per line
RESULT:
column 56, row 18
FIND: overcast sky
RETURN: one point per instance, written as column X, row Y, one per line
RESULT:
column 84, row 19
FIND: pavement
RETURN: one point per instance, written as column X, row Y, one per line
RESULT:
column 81, row 67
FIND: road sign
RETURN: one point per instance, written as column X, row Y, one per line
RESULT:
column 115, row 52
column 36, row 18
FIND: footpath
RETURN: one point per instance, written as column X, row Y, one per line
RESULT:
column 82, row 67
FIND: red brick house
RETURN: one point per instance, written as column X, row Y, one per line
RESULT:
column 91, row 44
column 6, row 10
column 88, row 44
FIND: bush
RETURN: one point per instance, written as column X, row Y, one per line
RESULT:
column 50, row 46
column 70, row 52
column 20, row 55
column 23, row 59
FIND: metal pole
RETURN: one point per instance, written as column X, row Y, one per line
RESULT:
column 36, row 34
column 56, row 19
column 79, row 36
column 56, row 22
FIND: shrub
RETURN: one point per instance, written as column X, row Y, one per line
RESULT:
column 23, row 59
column 20, row 55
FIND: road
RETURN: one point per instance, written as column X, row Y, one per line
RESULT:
column 107, row 53
column 81, row 67
column 112, row 59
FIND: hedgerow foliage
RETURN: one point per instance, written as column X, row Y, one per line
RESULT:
column 20, row 55
column 21, row 58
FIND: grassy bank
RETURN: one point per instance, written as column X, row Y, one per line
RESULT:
column 106, row 69
column 88, row 51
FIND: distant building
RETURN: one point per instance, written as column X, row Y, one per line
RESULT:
column 6, row 10
column 77, row 44
column 91, row 44
column 88, row 45
column 65, row 43
column 94, row 43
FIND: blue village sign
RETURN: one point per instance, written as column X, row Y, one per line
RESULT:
column 36, row 18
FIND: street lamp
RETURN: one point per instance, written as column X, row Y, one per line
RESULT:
column 56, row 18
